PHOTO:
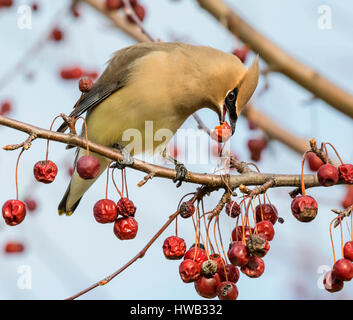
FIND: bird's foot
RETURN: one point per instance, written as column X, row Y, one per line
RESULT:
column 127, row 160
column 181, row 173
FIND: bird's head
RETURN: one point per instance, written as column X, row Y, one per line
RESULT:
column 234, row 88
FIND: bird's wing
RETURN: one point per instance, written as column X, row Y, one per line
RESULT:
column 91, row 99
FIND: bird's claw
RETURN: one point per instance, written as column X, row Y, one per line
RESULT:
column 127, row 158
column 181, row 173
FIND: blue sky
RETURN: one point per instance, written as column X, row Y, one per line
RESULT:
column 67, row 254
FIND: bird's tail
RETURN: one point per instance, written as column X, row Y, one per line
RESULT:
column 78, row 186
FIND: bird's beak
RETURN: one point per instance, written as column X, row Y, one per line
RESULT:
column 232, row 116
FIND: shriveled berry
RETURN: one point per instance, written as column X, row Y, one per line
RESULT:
column 346, row 172
column 257, row 246
column 126, row 207
column 45, row 171
column 304, row 208
column 14, row 247
column 222, row 132
column 238, row 254
column 232, row 273
column 85, row 84
column 266, row 211
column 314, row 161
column 31, row 204
column 198, row 253
column 227, row 290
column 207, row 287
column 343, row 269
column 254, row 268
column 266, row 230
column 348, row 250
column 105, row 211
column 232, row 209
column 209, row 268
column 186, row 209
column 114, row 4
column 125, row 228
column 189, row 270
column 13, row 212
column 88, row 167
column 327, row 175
column 331, row 283
column 241, row 53
column 237, row 233
column 174, row 248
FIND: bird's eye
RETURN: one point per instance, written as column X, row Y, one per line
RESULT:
column 231, row 96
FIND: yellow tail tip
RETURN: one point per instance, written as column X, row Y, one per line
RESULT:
column 68, row 213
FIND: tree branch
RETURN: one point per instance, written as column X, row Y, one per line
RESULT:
column 250, row 178
column 279, row 59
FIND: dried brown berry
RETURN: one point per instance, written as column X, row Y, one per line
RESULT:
column 126, row 207
column 257, row 246
column 209, row 268
column 186, row 209
column 232, row 209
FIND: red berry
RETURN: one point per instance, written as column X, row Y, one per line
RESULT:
column 219, row 260
column 113, row 4
column 35, row 6
column 266, row 212
column 348, row 250
column 125, row 228
column 343, row 269
column 222, row 132
column 346, row 172
column 232, row 273
column 75, row 10
column 238, row 254
column 266, row 230
column 126, row 207
column 14, row 247
column 85, row 84
column 314, row 161
column 56, row 34
column 186, row 209
column 6, row 3
column 304, row 208
column 207, row 287
column 254, row 268
column 13, row 212
column 71, row 73
column 6, row 107
column 200, row 255
column 331, row 283
column 45, row 171
column 256, row 146
column 91, row 74
column 241, row 53
column 139, row 11
column 327, row 175
column 88, row 167
column 227, row 290
column 105, row 211
column 257, row 246
column 252, row 125
column 237, row 233
column 189, row 270
column 174, row 248
column 232, row 209
column 70, row 171
column 31, row 204
column 348, row 199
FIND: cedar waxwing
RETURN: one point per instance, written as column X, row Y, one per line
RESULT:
column 160, row 82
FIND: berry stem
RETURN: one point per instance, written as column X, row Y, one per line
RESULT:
column 107, row 183
column 302, row 174
column 332, row 244
column 16, row 175
column 116, row 187
column 334, row 149
column 51, row 127
column 86, row 133
column 215, row 238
